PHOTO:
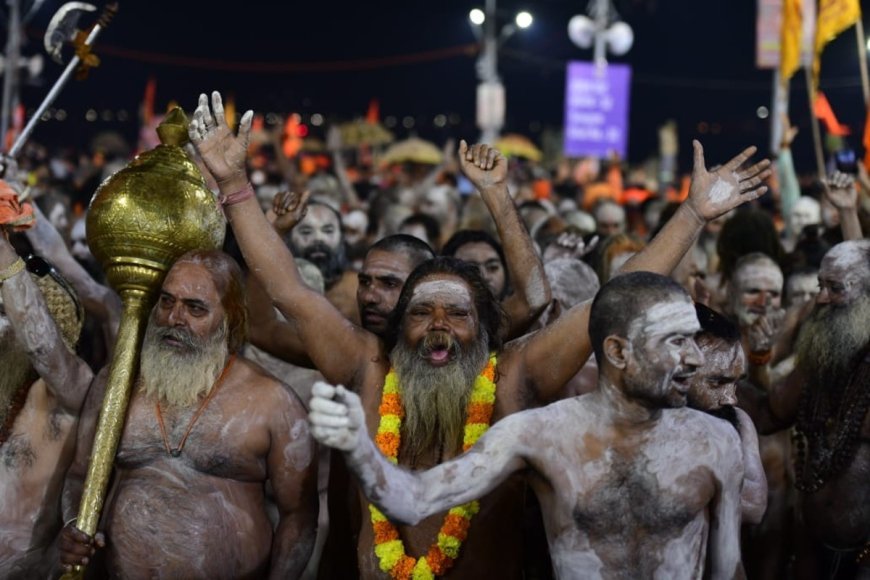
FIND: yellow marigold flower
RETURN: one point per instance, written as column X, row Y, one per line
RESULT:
column 449, row 545
column 389, row 553
column 376, row 514
column 390, row 424
column 474, row 432
column 422, row 570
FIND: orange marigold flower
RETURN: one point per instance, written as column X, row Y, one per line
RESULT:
column 439, row 563
column 455, row 526
column 403, row 568
column 489, row 372
column 385, row 532
column 479, row 413
column 388, row 443
column 391, row 405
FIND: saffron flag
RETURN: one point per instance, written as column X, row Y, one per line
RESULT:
column 822, row 109
column 834, row 17
column 791, row 38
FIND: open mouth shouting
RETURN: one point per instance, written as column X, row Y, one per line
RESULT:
column 439, row 348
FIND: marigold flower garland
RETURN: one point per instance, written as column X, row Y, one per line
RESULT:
column 389, row 547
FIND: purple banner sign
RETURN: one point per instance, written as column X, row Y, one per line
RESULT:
column 596, row 110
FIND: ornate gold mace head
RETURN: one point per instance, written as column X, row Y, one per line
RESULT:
column 142, row 218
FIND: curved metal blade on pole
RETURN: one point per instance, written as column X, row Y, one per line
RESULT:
column 61, row 82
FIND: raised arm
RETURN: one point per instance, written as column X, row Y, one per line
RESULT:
column 337, row 420
column 842, row 192
column 292, row 464
column 98, row 300
column 711, row 195
column 65, row 374
column 550, row 358
column 486, row 168
column 336, row 346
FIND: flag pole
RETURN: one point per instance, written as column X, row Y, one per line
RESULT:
column 814, row 121
column 862, row 60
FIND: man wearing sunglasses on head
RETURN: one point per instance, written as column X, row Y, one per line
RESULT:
column 42, row 387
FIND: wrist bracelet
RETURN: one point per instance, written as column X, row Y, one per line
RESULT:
column 760, row 358
column 11, row 270
column 243, row 194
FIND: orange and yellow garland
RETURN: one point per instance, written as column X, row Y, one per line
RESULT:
column 388, row 545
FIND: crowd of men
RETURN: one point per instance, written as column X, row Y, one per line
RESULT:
column 513, row 385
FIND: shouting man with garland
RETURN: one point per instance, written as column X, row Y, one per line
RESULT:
column 632, row 484
column 441, row 378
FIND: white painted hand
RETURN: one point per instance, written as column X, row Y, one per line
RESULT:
column 841, row 191
column 715, row 194
column 336, row 417
column 222, row 152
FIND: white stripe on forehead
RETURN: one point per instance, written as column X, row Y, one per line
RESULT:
column 431, row 289
column 666, row 318
column 767, row 272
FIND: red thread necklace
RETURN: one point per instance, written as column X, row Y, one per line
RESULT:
column 176, row 451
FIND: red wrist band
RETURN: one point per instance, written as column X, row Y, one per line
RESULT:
column 243, row 194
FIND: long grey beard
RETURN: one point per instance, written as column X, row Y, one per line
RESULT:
column 829, row 341
column 15, row 371
column 435, row 399
column 179, row 377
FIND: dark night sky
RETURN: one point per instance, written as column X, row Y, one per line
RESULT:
column 693, row 61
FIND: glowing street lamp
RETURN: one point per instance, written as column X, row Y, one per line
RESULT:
column 598, row 31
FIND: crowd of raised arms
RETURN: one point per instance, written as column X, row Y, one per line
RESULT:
column 484, row 368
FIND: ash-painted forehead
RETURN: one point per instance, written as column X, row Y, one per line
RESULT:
column 664, row 318
column 847, row 256
column 765, row 275
column 441, row 290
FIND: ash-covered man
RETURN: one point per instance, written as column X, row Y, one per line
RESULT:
column 448, row 353
column 713, row 389
column 42, row 388
column 631, row 483
column 205, row 430
column 827, row 398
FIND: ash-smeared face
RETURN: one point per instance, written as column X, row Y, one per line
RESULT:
column 440, row 319
column 756, row 290
column 663, row 353
column 714, row 384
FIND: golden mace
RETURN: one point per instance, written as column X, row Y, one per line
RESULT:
column 140, row 221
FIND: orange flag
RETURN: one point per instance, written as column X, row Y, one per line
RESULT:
column 791, row 38
column 834, row 17
column 822, row 109
column 374, row 112
column 148, row 101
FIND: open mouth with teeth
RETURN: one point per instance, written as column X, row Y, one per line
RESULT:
column 438, row 348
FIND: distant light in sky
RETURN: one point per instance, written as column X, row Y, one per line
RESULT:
column 408, row 122
column 477, row 16
column 440, row 120
column 762, row 112
column 524, row 19
column 91, row 115
column 317, row 119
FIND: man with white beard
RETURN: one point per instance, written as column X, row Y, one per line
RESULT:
column 205, row 431
column 827, row 398
column 42, row 387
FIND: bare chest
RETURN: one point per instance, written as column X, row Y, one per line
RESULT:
column 223, row 440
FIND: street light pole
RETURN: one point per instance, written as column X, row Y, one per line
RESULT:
column 490, row 91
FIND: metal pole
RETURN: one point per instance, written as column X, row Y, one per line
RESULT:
column 814, row 123
column 10, row 80
column 59, row 84
column 601, row 10
column 778, row 109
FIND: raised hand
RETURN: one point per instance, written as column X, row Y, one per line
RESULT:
column 288, row 209
column 841, row 191
column 336, row 416
column 483, row 165
column 764, row 331
column 789, row 132
column 568, row 245
column 715, row 194
column 222, row 152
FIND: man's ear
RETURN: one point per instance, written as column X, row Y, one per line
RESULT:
column 616, row 350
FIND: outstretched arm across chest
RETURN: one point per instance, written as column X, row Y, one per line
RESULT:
column 337, row 420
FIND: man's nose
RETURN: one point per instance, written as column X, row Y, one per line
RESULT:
column 693, row 355
column 177, row 316
column 729, row 395
column 438, row 321
column 824, row 296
